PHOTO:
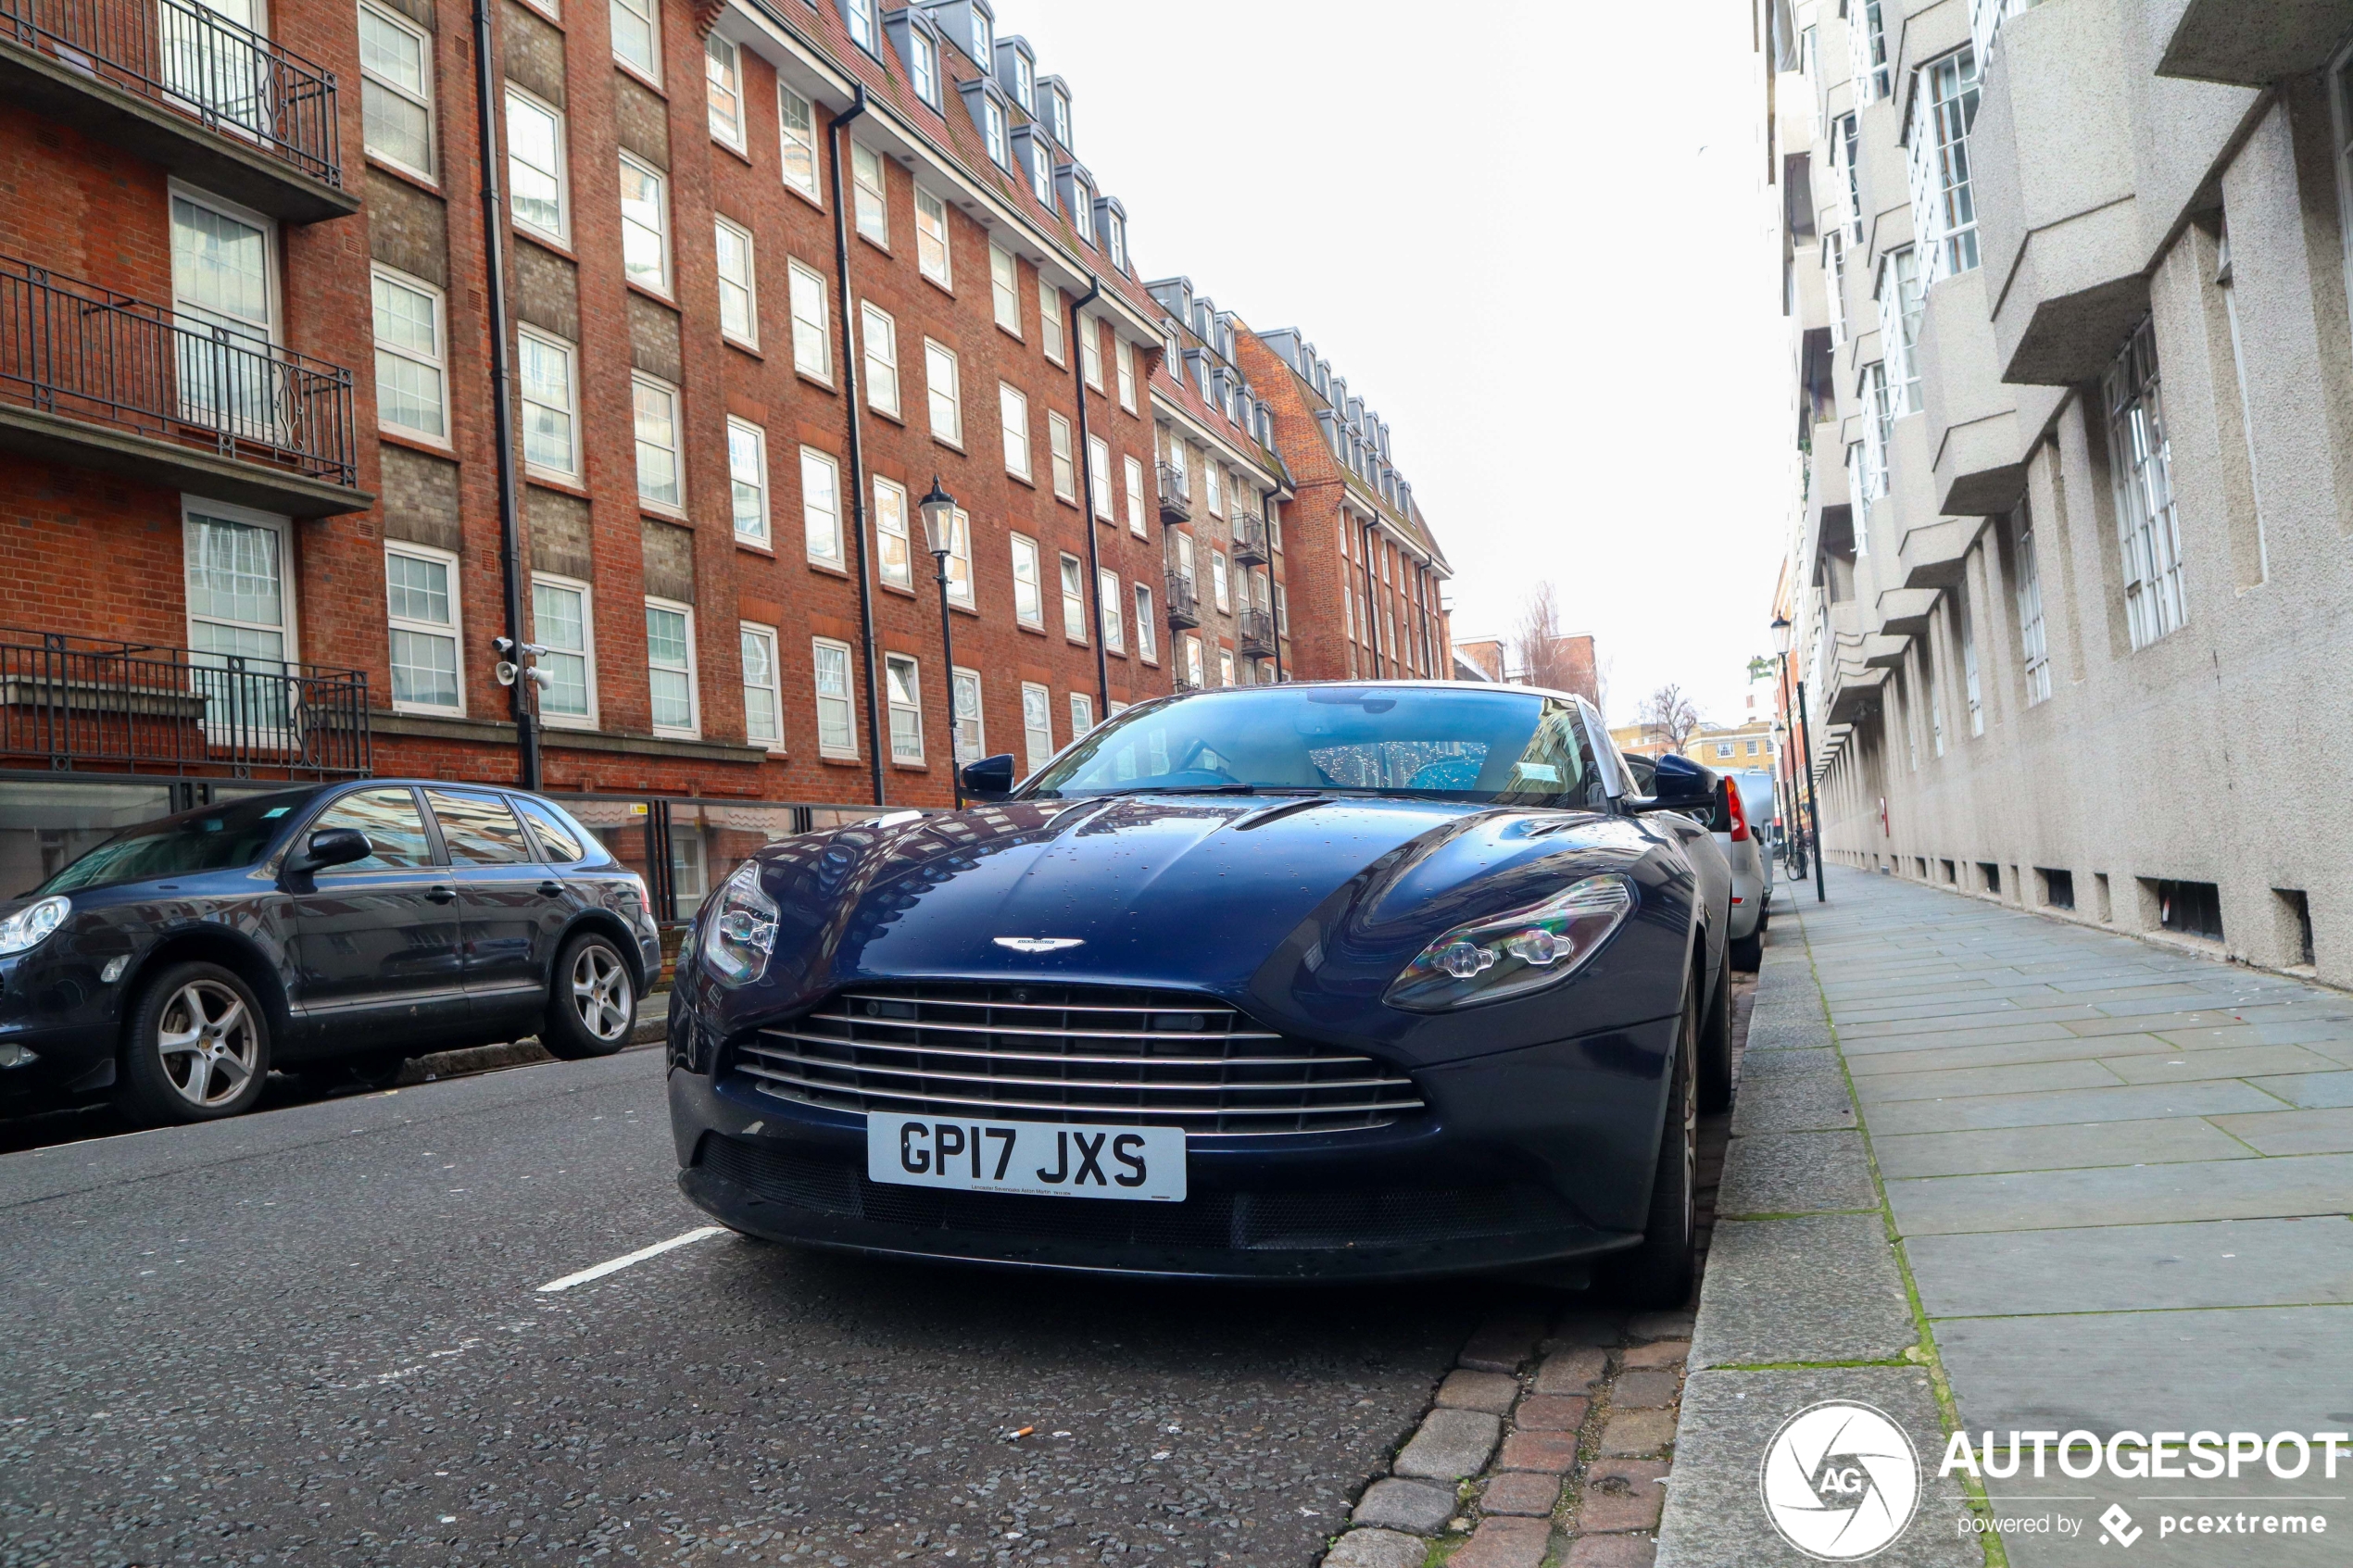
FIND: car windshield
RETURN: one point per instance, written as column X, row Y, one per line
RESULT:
column 1427, row 742
column 210, row 839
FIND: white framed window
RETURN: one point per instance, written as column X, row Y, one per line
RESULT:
column 670, row 667
column 1090, row 351
column 1109, row 600
column 1867, row 43
column 1195, row 675
column 1082, row 209
column 1066, row 470
column 931, row 239
column 923, row 65
column 738, row 284
column 1225, row 668
column 1938, row 118
column 1012, row 419
column 1099, row 475
column 395, row 89
column 1218, row 583
column 1185, row 559
column 864, row 29
column 724, row 75
column 1147, row 633
column 1041, row 173
column 1050, row 321
column 1213, row 474
column 1074, row 579
column 1124, row 364
column 420, row 594
column 1037, row 724
column 1282, row 612
column 644, row 225
column 637, row 36
column 837, row 735
column 1004, row 288
column 1133, row 471
column 549, row 375
column 893, row 562
column 821, row 506
column 992, row 132
column 1024, row 82
column 960, row 557
column 1115, row 237
column 1058, row 115
column 1029, row 602
column 903, row 690
column 944, row 393
column 1965, row 628
column 764, row 688
column 870, row 191
column 878, row 334
column 1082, row 714
column 411, row 384
column 240, row 596
column 654, row 405
column 972, row 743
column 561, row 622
column 2140, row 460
column 796, row 130
column 1900, row 303
column 748, row 480
column 536, row 186
column 2031, row 640
column 813, row 345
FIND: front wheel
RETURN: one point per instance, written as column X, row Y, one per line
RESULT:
column 592, row 1005
column 197, row 1048
column 1658, row 1272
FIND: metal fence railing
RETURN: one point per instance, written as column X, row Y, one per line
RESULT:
column 1255, row 632
column 84, row 703
column 71, row 348
column 191, row 59
column 686, row 847
column 1175, row 503
column 1252, row 543
column 1184, row 603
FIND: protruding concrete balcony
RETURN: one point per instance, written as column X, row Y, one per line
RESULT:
column 1856, row 697
column 177, row 84
column 2052, row 157
column 1929, row 553
column 1903, row 615
column 1972, row 418
column 2250, row 43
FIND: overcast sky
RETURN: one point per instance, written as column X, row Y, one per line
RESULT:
column 1533, row 236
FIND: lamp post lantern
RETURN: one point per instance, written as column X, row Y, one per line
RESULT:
column 938, row 509
column 1805, row 732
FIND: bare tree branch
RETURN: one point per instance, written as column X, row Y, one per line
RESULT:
column 1668, row 715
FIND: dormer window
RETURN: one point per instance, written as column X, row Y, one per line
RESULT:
column 984, row 37
column 987, row 105
column 1115, row 228
column 865, row 26
column 1057, row 114
column 923, row 65
column 1081, row 197
column 1039, row 156
column 1024, row 82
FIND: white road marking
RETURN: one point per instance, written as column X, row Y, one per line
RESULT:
column 699, row 1233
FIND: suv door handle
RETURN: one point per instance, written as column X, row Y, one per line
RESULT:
column 552, row 888
column 442, row 895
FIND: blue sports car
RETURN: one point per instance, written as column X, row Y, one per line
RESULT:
column 1342, row 980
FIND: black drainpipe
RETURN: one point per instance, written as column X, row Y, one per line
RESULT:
column 1086, row 501
column 487, row 102
column 857, row 450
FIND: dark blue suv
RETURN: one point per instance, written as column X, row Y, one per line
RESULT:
column 341, row 926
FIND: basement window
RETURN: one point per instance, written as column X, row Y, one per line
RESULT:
column 1951, row 874
column 2295, row 924
column 2189, row 908
column 1990, row 876
column 2058, row 887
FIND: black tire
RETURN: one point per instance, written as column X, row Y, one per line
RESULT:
column 592, row 1000
column 1747, row 953
column 1658, row 1272
column 1713, row 1075
column 196, row 1047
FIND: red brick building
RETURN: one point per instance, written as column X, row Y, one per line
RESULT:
column 770, row 272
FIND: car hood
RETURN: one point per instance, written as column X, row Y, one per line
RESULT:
column 1303, row 908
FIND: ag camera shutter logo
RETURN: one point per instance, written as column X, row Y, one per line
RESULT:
column 1839, row 1481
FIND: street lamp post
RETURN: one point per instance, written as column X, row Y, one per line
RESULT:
column 938, row 509
column 1805, row 750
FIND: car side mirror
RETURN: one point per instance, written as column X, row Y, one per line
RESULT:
column 992, row 778
column 1678, row 784
column 330, row 846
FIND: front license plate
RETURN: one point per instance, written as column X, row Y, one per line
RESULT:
column 1056, row 1161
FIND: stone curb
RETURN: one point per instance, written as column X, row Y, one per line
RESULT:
column 653, row 1021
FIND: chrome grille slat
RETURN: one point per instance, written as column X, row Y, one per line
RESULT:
column 1071, row 1053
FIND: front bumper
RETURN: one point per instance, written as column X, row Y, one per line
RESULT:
column 53, row 1004
column 1523, row 1158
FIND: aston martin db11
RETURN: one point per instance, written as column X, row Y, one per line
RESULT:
column 1308, row 981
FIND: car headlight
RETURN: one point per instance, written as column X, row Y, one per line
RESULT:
column 739, row 928
column 1517, row 952
column 29, row 926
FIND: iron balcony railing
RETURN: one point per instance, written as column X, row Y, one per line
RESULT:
column 71, row 348
column 81, row 702
column 1252, row 546
column 191, row 59
column 1255, row 632
column 1184, row 603
column 1175, row 504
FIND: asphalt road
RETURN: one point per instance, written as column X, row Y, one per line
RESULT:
column 315, row 1335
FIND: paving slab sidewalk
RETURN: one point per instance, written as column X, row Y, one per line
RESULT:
column 2093, row 1184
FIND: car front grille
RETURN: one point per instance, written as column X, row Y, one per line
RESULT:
column 1068, row 1053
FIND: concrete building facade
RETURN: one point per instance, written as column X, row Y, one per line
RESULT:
column 2074, row 376
column 772, row 271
